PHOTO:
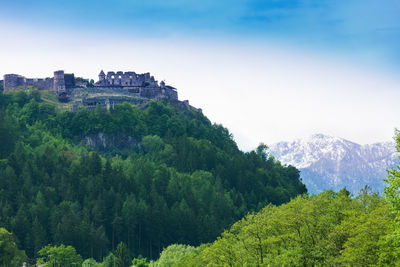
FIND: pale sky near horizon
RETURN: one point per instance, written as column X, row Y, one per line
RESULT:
column 267, row 72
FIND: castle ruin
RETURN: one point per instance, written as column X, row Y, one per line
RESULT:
column 142, row 85
column 60, row 82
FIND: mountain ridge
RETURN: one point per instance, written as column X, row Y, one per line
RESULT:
column 328, row 162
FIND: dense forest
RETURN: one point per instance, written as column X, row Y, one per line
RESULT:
column 329, row 229
column 129, row 180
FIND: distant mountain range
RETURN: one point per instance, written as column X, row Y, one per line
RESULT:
column 328, row 162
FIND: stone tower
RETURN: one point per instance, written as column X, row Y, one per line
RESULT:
column 162, row 84
column 102, row 76
column 12, row 80
column 59, row 81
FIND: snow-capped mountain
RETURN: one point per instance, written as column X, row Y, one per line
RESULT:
column 328, row 162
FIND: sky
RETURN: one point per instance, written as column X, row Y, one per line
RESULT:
column 268, row 70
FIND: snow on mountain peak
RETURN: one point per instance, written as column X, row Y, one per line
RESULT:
column 337, row 161
column 304, row 152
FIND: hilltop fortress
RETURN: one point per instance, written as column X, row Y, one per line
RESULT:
column 142, row 84
column 59, row 83
column 64, row 84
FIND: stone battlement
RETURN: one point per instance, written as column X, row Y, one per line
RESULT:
column 59, row 83
column 129, row 78
column 143, row 85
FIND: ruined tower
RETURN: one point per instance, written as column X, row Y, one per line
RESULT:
column 59, row 81
column 102, row 76
column 12, row 80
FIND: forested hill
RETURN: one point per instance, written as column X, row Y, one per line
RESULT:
column 329, row 229
column 147, row 177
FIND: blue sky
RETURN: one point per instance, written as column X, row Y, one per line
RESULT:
column 358, row 26
column 335, row 57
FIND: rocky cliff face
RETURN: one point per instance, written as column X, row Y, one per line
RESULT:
column 328, row 162
column 104, row 142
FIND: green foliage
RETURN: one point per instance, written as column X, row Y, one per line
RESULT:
column 391, row 243
column 163, row 175
column 140, row 262
column 10, row 255
column 147, row 177
column 121, row 256
column 90, row 263
column 59, row 256
column 392, row 190
column 329, row 229
column 193, row 259
column 173, row 254
column 109, row 261
column 7, row 134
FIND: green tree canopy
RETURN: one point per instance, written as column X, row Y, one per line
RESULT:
column 329, row 229
column 147, row 176
column 391, row 243
column 121, row 256
column 90, row 263
column 10, row 255
column 59, row 256
column 173, row 254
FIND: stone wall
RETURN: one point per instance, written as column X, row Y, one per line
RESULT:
column 127, row 83
column 41, row 84
column 12, row 80
column 110, row 102
column 143, row 84
column 170, row 92
column 129, row 78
